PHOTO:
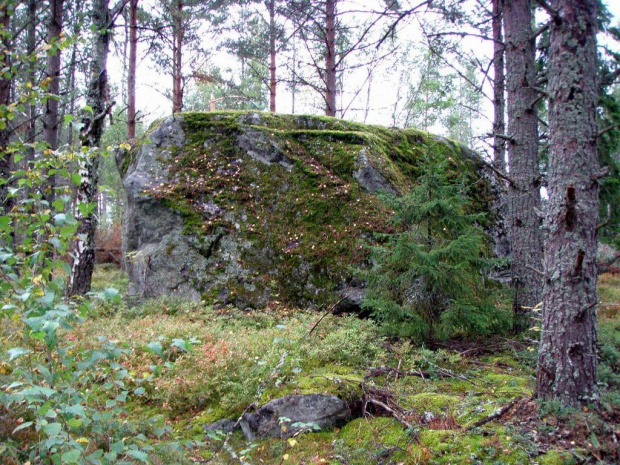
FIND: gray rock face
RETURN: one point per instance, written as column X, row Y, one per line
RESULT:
column 369, row 177
column 248, row 208
column 287, row 416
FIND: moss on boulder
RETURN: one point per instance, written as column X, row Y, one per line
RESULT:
column 247, row 208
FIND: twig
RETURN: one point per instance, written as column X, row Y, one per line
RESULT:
column 535, row 270
column 495, row 415
column 391, row 411
column 329, row 310
column 450, row 373
column 383, row 370
column 606, row 130
column 604, row 267
column 498, row 172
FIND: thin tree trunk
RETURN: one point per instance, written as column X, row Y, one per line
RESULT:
column 131, row 73
column 524, row 192
column 5, row 94
column 567, row 355
column 73, row 64
column 499, row 103
column 31, row 44
column 330, row 57
column 52, row 72
column 272, row 56
column 93, row 125
column 177, row 60
column 294, row 83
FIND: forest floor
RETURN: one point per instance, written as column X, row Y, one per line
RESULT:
column 190, row 364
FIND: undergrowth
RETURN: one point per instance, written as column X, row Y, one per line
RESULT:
column 189, row 364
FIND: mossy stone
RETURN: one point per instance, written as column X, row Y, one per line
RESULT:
column 255, row 207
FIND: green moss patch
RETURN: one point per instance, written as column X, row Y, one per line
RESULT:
column 304, row 223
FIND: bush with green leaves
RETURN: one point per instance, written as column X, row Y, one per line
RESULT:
column 64, row 396
column 430, row 278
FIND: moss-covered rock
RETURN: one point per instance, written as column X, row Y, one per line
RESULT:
column 248, row 208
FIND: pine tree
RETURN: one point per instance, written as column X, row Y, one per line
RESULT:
column 567, row 359
column 429, row 279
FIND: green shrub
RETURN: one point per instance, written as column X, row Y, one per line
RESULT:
column 430, row 278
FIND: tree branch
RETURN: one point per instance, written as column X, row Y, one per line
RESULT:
column 555, row 15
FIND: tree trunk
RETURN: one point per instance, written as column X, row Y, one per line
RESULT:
column 73, row 65
column 131, row 73
column 294, row 80
column 272, row 56
column 93, row 125
column 524, row 192
column 52, row 72
column 499, row 102
column 330, row 57
column 567, row 355
column 177, row 58
column 5, row 95
column 31, row 45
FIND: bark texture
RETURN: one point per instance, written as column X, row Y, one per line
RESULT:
column 499, row 87
column 567, row 357
column 177, row 57
column 524, row 192
column 52, row 72
column 5, row 94
column 131, row 73
column 97, row 99
column 330, row 57
column 31, row 45
column 272, row 56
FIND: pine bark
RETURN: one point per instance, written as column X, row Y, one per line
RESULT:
column 71, row 68
column 31, row 45
column 131, row 72
column 567, row 355
column 272, row 56
column 330, row 57
column 52, row 72
column 177, row 57
column 524, row 192
column 93, row 125
column 499, row 86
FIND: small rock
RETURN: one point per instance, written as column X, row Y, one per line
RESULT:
column 287, row 416
column 225, row 426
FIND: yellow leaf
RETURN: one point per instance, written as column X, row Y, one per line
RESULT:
column 285, row 456
column 82, row 440
column 292, row 442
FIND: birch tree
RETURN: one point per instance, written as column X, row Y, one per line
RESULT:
column 98, row 107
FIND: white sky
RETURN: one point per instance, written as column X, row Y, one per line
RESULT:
column 153, row 104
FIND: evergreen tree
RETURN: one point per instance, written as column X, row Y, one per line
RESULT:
column 567, row 358
column 429, row 279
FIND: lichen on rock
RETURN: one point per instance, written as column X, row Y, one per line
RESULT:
column 247, row 208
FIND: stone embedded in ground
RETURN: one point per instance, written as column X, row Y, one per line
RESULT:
column 288, row 416
column 248, row 208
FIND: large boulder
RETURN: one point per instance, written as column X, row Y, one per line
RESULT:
column 249, row 208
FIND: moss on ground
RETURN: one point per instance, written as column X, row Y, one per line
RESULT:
column 231, row 365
